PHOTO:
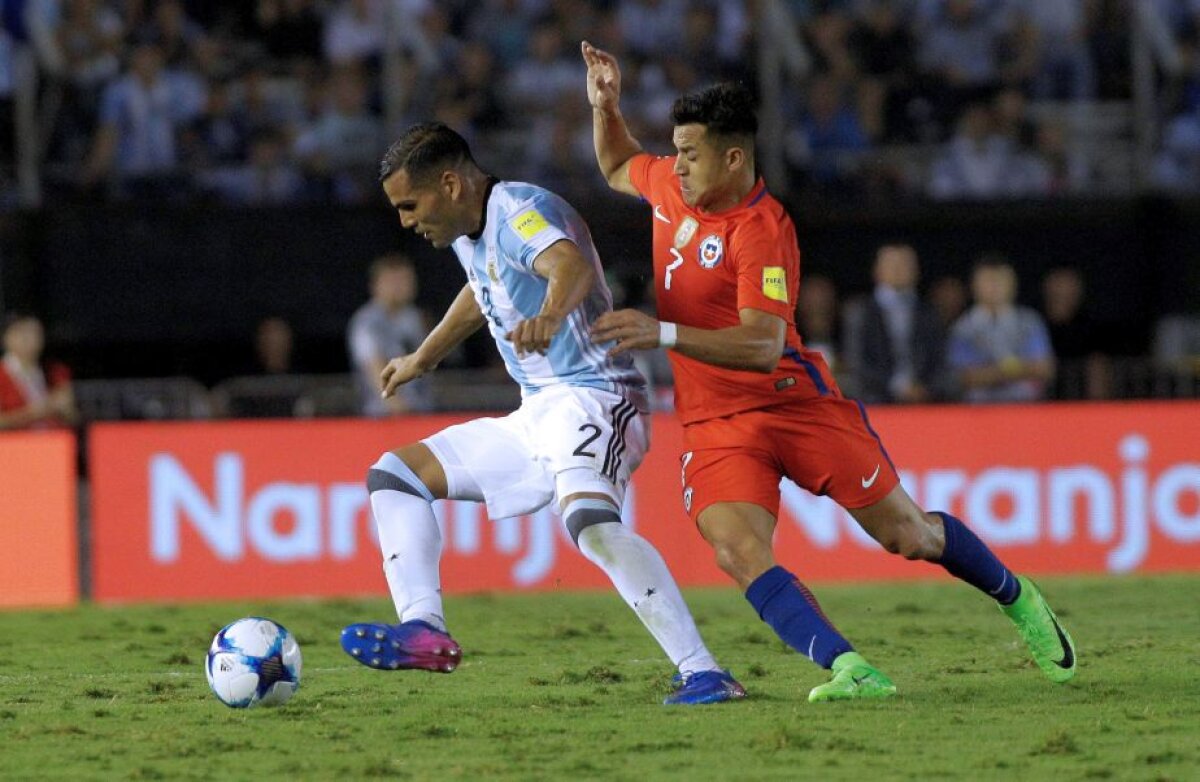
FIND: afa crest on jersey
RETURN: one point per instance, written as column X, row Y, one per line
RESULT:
column 712, row 250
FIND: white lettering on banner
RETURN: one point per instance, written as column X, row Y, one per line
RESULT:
column 1039, row 504
column 1021, row 486
column 230, row 520
column 1067, row 483
column 1174, row 483
column 304, row 504
column 347, row 501
column 173, row 493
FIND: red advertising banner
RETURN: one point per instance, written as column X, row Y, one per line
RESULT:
column 38, row 542
column 260, row 509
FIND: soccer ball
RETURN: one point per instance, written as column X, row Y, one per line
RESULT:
column 253, row 662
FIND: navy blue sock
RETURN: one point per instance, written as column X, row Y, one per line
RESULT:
column 968, row 558
column 792, row 612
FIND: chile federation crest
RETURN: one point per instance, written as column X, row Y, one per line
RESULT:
column 712, row 250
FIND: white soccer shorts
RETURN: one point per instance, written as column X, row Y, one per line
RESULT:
column 561, row 441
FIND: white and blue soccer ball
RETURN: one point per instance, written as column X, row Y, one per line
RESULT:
column 253, row 662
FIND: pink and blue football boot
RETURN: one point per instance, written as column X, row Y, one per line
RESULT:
column 409, row 645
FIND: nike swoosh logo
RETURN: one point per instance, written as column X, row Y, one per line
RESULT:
column 1068, row 656
column 658, row 215
column 869, row 482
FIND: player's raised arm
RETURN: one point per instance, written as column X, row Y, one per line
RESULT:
column 570, row 277
column 614, row 146
column 462, row 319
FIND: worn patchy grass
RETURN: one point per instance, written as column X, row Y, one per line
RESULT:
column 561, row 686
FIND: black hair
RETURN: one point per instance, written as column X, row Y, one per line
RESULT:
column 992, row 260
column 423, row 149
column 726, row 110
column 388, row 261
column 13, row 317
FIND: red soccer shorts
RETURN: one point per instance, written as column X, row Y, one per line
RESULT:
column 824, row 445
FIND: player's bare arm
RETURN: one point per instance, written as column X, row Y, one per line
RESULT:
column 570, row 277
column 462, row 319
column 615, row 147
column 755, row 345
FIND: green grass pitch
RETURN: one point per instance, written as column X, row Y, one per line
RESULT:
column 568, row 686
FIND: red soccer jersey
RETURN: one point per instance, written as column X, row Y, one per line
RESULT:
column 707, row 267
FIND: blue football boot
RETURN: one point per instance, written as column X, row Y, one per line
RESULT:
column 704, row 687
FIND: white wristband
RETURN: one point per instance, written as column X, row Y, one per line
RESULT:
column 667, row 334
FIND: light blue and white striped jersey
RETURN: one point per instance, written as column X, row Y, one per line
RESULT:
column 520, row 221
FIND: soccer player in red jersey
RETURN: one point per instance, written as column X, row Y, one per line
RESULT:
column 756, row 405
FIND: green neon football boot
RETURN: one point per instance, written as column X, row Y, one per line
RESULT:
column 1051, row 646
column 853, row 677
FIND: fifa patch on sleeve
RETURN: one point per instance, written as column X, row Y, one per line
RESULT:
column 528, row 224
column 775, row 283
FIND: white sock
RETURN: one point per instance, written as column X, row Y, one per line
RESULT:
column 412, row 550
column 641, row 577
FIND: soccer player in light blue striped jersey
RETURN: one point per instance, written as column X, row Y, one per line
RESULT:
column 534, row 279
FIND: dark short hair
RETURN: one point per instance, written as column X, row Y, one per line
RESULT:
column 423, row 149
column 992, row 260
column 726, row 110
column 387, row 262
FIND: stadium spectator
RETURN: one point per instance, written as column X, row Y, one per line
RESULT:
column 336, row 147
column 274, row 348
column 505, row 28
column 1000, row 351
column 961, row 47
column 542, row 81
column 33, row 394
column 902, row 341
column 1062, row 67
column 948, row 297
column 266, row 178
column 170, row 28
column 980, row 163
column 817, row 318
column 290, row 30
column 135, row 142
column 90, row 38
column 468, row 95
column 389, row 325
column 651, row 28
column 1177, row 165
column 831, row 132
column 355, row 32
column 885, row 55
column 219, row 135
column 1177, row 343
column 1083, row 369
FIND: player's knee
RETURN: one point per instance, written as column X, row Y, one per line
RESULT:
column 392, row 474
column 581, row 514
column 740, row 556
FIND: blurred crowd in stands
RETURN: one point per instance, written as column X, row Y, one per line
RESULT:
column 269, row 102
column 281, row 101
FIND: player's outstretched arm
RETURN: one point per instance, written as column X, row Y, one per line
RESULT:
column 755, row 345
column 462, row 319
column 570, row 277
column 615, row 147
